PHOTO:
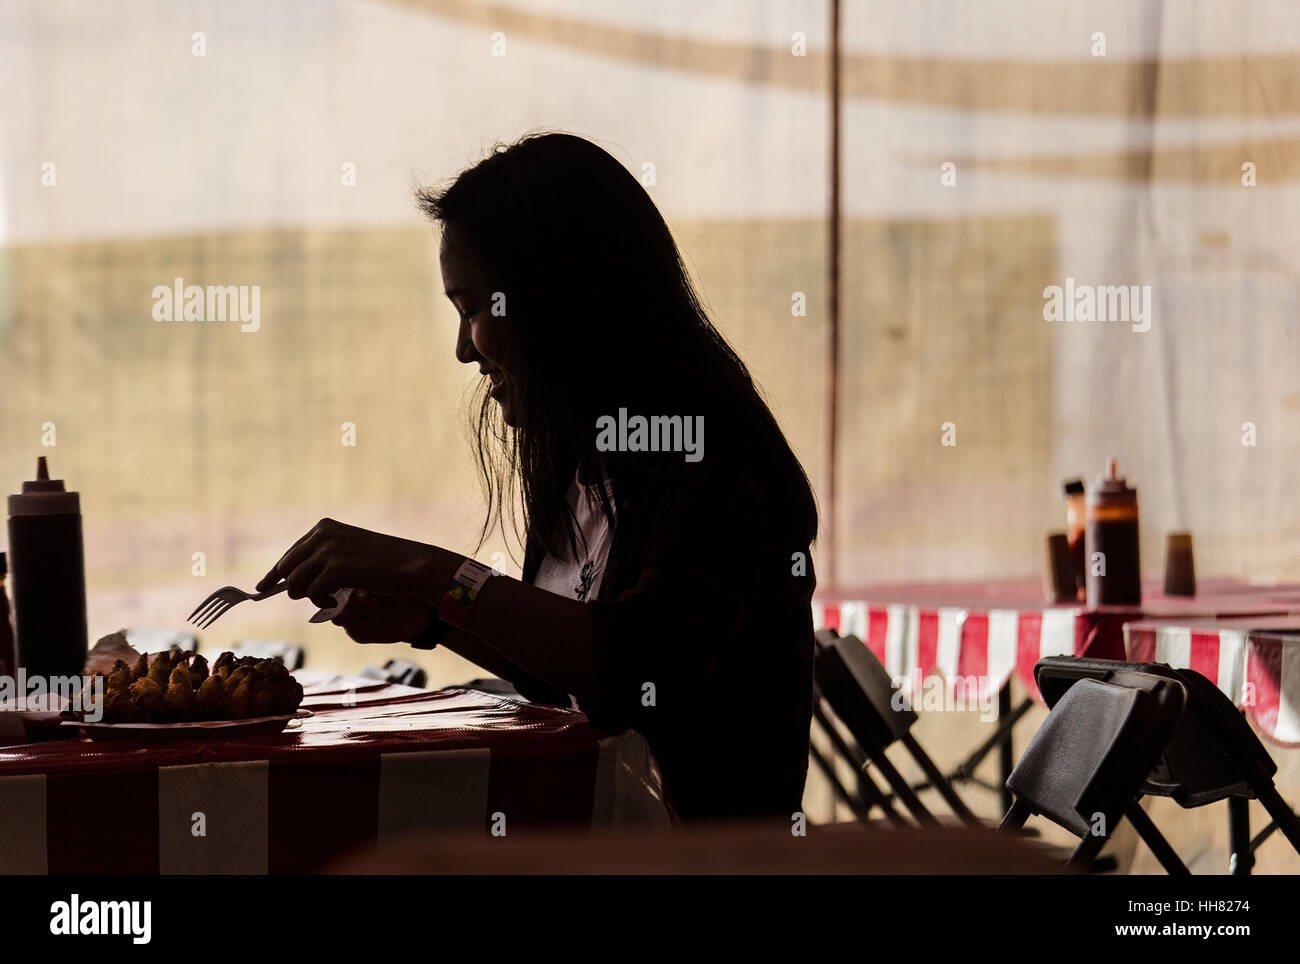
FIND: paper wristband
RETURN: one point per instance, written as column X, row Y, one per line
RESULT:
column 463, row 591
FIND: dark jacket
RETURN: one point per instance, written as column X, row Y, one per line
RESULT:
column 704, row 643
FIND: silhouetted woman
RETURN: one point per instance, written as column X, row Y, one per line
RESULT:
column 666, row 578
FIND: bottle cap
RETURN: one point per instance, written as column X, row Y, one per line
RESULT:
column 44, row 496
column 4, row 565
column 1111, row 488
column 1074, row 487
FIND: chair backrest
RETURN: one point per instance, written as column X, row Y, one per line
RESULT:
column 1098, row 744
column 859, row 690
column 1213, row 754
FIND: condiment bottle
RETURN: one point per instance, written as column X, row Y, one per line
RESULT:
column 47, row 561
column 8, row 651
column 1075, row 515
column 1111, row 534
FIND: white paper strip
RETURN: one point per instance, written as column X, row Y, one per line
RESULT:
column 896, row 657
column 435, row 790
column 629, row 790
column 213, row 818
column 853, row 619
column 1232, row 664
column 22, row 825
column 1288, row 709
column 1004, row 641
column 1057, row 638
column 1174, row 646
column 948, row 648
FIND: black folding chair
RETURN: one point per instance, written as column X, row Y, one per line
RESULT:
column 1214, row 754
column 291, row 654
column 1086, row 764
column 398, row 671
column 853, row 685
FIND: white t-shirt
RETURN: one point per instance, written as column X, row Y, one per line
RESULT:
column 580, row 579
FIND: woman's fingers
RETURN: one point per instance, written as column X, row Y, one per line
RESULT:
column 324, row 582
column 305, row 579
column 361, row 606
column 294, row 555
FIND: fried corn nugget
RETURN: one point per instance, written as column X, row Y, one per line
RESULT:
column 259, row 700
column 212, row 698
column 198, row 670
column 119, row 677
column 286, row 692
column 120, row 708
column 224, row 665
column 160, row 670
column 179, row 702
column 116, row 696
column 147, row 697
column 241, row 697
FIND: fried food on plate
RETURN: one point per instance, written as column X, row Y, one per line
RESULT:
column 147, row 697
column 179, row 685
column 179, row 702
column 212, row 699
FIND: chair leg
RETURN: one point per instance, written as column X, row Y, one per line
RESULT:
column 1005, row 753
column 1155, row 840
column 1000, row 737
column 902, row 790
column 1015, row 818
column 871, row 794
column 828, row 771
column 1086, row 852
column 937, row 781
column 1240, row 857
column 1281, row 813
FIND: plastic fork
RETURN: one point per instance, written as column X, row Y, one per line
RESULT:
column 220, row 602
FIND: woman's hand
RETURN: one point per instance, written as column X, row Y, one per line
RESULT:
column 334, row 556
column 369, row 618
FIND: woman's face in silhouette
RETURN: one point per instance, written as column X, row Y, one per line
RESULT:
column 484, row 339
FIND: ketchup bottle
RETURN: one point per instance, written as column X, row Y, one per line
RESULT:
column 1111, row 529
column 47, row 563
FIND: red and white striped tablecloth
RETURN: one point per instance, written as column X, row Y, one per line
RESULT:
column 1255, row 661
column 988, row 631
column 373, row 763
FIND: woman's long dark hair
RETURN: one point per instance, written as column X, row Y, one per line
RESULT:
column 604, row 316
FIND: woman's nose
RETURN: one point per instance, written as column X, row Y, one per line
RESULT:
column 465, row 351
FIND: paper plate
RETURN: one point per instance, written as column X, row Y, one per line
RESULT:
column 193, row 730
column 30, row 716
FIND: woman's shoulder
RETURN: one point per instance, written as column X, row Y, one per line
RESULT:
column 738, row 495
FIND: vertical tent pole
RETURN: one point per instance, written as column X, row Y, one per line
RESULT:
column 833, row 303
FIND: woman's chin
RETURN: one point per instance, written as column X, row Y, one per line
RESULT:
column 507, row 412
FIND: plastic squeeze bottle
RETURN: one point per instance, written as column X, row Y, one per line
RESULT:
column 47, row 567
column 1111, row 537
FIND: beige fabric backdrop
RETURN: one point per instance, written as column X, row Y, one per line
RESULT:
column 227, row 168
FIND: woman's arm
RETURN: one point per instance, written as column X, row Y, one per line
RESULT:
column 513, row 624
column 549, row 636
